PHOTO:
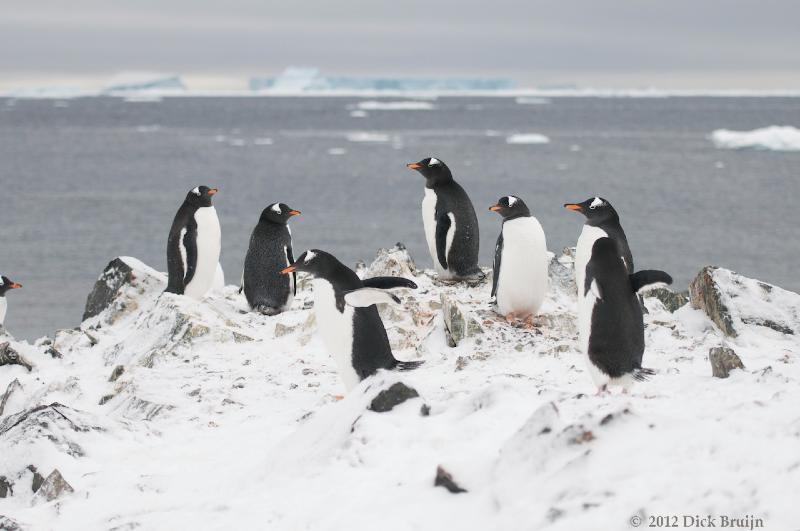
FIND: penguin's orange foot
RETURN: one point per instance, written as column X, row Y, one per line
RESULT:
column 338, row 397
column 510, row 318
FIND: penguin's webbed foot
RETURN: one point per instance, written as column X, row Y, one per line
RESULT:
column 267, row 310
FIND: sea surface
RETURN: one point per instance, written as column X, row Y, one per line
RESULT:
column 85, row 180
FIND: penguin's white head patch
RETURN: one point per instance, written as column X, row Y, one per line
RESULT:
column 512, row 200
column 596, row 202
column 276, row 208
column 310, row 255
column 1, row 280
column 434, row 162
column 196, row 190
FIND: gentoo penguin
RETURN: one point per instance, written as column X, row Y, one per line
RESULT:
column 347, row 318
column 519, row 282
column 610, row 317
column 5, row 285
column 451, row 226
column 601, row 221
column 270, row 250
column 193, row 245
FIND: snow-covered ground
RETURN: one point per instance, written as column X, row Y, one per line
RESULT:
column 772, row 138
column 224, row 419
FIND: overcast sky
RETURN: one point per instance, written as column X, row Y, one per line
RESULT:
column 613, row 43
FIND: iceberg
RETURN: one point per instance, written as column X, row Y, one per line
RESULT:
column 772, row 138
column 396, row 106
column 127, row 82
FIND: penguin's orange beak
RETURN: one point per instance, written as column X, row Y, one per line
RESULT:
column 287, row 270
column 573, row 206
column 495, row 208
column 294, row 212
column 14, row 285
column 213, row 191
column 413, row 166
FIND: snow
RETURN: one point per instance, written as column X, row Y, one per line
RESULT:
column 226, row 419
column 772, row 138
column 527, row 138
column 396, row 106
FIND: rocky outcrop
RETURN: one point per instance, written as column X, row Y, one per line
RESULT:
column 53, row 487
column 9, row 356
column 395, row 395
column 445, row 479
column 396, row 262
column 460, row 323
column 115, row 275
column 671, row 300
column 13, row 387
column 734, row 302
column 723, row 361
column 561, row 271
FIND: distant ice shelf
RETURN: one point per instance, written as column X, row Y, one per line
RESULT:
column 772, row 138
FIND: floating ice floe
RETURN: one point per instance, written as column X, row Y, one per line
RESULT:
column 368, row 136
column 337, row 151
column 527, row 138
column 374, row 105
column 532, row 100
column 772, row 138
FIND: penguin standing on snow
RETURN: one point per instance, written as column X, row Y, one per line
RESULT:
column 193, row 245
column 519, row 281
column 602, row 221
column 268, row 291
column 451, row 226
column 5, row 285
column 610, row 317
column 347, row 317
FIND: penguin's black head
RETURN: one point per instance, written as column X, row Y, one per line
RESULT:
column 434, row 170
column 511, row 207
column 278, row 213
column 201, row 196
column 314, row 262
column 7, row 284
column 596, row 210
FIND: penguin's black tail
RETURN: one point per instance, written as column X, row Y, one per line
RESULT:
column 408, row 365
column 641, row 374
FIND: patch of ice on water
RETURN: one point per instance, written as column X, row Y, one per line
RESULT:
column 358, row 114
column 530, row 100
column 396, row 106
column 337, row 151
column 772, row 138
column 527, row 138
column 368, row 136
column 262, row 141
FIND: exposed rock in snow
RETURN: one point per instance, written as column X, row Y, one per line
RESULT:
column 9, row 524
column 163, row 396
column 9, row 356
column 733, row 302
column 395, row 395
column 671, row 300
column 723, row 361
column 53, row 487
column 116, row 274
column 460, row 323
column 445, row 479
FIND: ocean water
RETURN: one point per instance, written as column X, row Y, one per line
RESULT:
column 86, row 180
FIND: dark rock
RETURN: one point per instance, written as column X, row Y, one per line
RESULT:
column 705, row 295
column 395, row 395
column 116, row 373
column 445, row 479
column 53, row 422
column 670, row 299
column 38, row 479
column 53, row 487
column 9, row 524
column 116, row 274
column 769, row 323
column 9, row 356
column 11, row 389
column 425, row 410
column 6, row 487
column 723, row 361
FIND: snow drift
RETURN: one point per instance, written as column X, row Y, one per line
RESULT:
column 160, row 412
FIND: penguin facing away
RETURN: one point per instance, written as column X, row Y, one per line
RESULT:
column 347, row 318
column 6, row 284
column 520, row 278
column 451, row 226
column 266, row 289
column 601, row 221
column 610, row 321
column 193, row 245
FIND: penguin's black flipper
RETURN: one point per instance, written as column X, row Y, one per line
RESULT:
column 442, row 227
column 290, row 258
column 189, row 244
column 648, row 277
column 408, row 365
column 498, row 253
column 388, row 283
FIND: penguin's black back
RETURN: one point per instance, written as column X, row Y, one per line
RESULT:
column 463, row 256
column 616, row 339
column 184, row 219
column 614, row 230
column 264, row 285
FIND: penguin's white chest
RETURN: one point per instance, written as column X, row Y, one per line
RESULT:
column 336, row 329
column 583, row 253
column 429, row 222
column 3, row 308
column 209, row 239
column 522, row 281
